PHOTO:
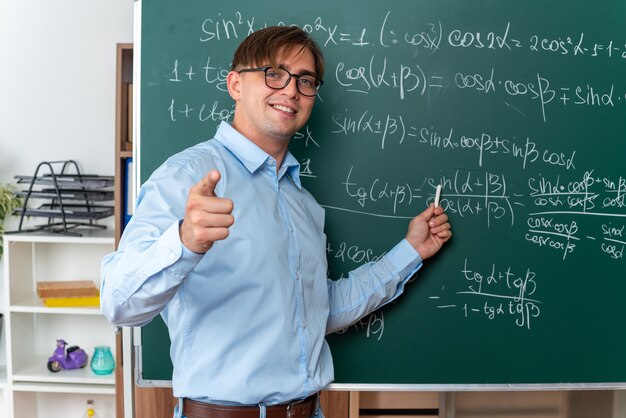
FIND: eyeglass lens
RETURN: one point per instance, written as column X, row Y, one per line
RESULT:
column 278, row 78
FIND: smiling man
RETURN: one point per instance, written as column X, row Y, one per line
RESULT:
column 228, row 247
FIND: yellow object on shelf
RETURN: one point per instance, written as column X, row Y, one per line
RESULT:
column 91, row 412
column 69, row 302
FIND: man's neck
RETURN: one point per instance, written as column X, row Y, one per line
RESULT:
column 275, row 147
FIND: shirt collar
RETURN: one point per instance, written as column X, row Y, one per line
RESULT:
column 253, row 157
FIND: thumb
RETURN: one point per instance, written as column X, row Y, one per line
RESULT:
column 427, row 214
column 206, row 186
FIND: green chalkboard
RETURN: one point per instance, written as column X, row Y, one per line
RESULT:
column 516, row 107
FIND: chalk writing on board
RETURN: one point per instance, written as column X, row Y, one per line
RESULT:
column 352, row 253
column 480, row 40
column 576, row 45
column 592, row 195
column 466, row 193
column 408, row 78
column 414, row 78
column 546, row 232
column 430, row 36
column 373, row 325
column 562, row 205
column 180, row 111
column 307, row 137
column 376, row 70
column 393, row 129
column 379, row 74
column 613, row 240
column 495, row 293
column 395, row 194
column 305, row 169
column 210, row 74
column 557, row 205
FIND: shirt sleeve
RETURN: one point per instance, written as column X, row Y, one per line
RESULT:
column 141, row 277
column 371, row 286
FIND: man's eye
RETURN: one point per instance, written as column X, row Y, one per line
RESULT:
column 306, row 82
column 272, row 74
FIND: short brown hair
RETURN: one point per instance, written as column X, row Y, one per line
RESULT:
column 265, row 46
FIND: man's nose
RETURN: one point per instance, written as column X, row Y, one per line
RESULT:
column 291, row 89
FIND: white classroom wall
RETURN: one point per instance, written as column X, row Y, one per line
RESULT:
column 57, row 88
column 57, row 82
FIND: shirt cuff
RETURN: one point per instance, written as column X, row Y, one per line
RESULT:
column 404, row 257
column 175, row 255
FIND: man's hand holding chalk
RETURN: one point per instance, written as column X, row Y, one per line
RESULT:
column 207, row 217
column 429, row 230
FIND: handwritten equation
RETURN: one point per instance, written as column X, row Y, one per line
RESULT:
column 393, row 54
column 412, row 78
column 494, row 294
column 432, row 36
column 465, row 194
column 561, row 206
column 392, row 129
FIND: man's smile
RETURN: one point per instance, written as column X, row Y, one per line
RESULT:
column 284, row 108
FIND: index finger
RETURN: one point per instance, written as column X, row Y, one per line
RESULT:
column 206, row 186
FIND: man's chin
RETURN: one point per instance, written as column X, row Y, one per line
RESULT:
column 284, row 135
column 283, row 131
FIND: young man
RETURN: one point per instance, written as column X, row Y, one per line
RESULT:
column 229, row 248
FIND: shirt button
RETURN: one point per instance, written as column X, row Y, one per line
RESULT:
column 172, row 256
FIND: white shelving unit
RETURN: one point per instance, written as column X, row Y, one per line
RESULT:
column 3, row 361
column 30, row 329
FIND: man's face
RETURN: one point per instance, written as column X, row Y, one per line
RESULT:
column 265, row 115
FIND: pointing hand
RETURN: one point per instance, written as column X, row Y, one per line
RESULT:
column 207, row 217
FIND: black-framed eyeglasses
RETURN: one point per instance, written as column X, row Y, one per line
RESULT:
column 278, row 78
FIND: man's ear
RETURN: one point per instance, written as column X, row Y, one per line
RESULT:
column 233, row 82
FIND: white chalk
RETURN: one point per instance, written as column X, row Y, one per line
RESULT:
column 437, row 195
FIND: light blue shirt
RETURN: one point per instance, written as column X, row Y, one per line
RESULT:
column 247, row 319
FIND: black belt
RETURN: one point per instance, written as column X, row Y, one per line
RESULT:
column 304, row 408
